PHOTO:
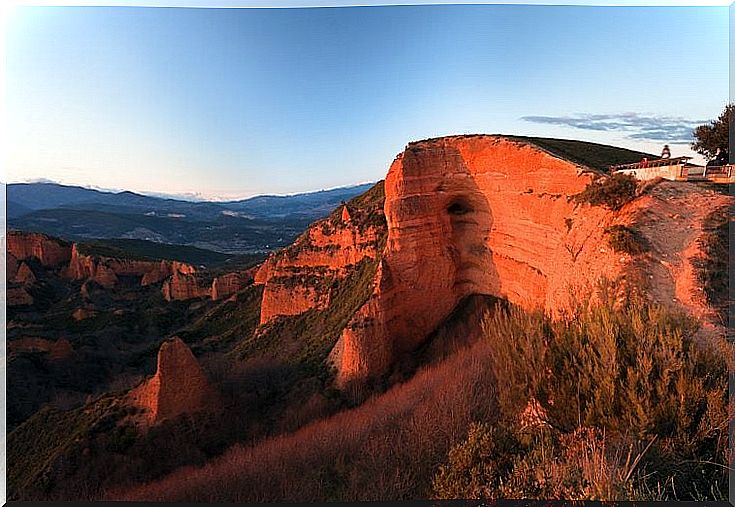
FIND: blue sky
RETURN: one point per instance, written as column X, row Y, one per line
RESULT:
column 227, row 103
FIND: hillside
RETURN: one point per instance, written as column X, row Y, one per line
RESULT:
column 258, row 224
column 496, row 300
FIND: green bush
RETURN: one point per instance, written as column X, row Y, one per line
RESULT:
column 630, row 371
column 613, row 191
column 712, row 266
column 625, row 239
column 477, row 466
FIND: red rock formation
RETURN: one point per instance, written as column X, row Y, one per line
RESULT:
column 182, row 286
column 83, row 314
column 474, row 214
column 163, row 270
column 296, row 278
column 178, row 387
column 24, row 275
column 49, row 251
column 224, row 286
column 106, row 270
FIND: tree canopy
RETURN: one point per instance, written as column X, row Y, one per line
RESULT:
column 713, row 135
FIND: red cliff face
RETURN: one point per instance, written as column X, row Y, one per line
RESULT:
column 475, row 214
column 178, row 387
column 228, row 284
column 49, row 251
column 182, row 286
column 297, row 278
column 106, row 270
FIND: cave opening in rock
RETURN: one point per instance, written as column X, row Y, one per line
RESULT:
column 459, row 207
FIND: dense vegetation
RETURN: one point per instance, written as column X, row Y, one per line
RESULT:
column 625, row 239
column 712, row 266
column 613, row 191
column 714, row 135
column 628, row 406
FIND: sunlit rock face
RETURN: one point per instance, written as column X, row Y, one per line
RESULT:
column 50, row 252
column 297, row 278
column 178, row 387
column 472, row 215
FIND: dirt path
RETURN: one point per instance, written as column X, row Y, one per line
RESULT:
column 672, row 219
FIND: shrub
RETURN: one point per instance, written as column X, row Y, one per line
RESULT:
column 712, row 266
column 477, row 466
column 625, row 239
column 613, row 191
column 633, row 408
column 632, row 372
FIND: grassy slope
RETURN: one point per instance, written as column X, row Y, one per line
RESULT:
column 596, row 156
column 392, row 446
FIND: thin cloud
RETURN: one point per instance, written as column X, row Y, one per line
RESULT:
column 674, row 130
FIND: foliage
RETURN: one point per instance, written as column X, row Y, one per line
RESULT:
column 622, row 238
column 712, row 266
column 716, row 134
column 630, row 371
column 477, row 466
column 632, row 408
column 613, row 191
column 37, row 447
column 222, row 327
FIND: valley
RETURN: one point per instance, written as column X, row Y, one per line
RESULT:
column 433, row 335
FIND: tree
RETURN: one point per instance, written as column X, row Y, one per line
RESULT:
column 713, row 135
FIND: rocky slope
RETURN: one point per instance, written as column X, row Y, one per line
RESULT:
column 300, row 277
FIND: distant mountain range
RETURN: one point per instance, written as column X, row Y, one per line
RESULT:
column 250, row 225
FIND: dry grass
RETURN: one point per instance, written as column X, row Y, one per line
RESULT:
column 631, row 408
column 389, row 447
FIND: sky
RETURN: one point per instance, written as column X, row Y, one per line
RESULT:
column 230, row 103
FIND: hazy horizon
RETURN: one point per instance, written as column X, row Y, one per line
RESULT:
column 183, row 197
column 222, row 104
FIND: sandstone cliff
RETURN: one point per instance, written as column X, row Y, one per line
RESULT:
column 476, row 215
column 50, row 252
column 298, row 278
column 107, row 270
column 182, row 286
column 178, row 387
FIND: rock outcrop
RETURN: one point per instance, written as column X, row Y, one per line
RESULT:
column 24, row 275
column 50, row 252
column 182, row 286
column 178, row 387
column 107, row 270
column 474, row 215
column 228, row 284
column 298, row 278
